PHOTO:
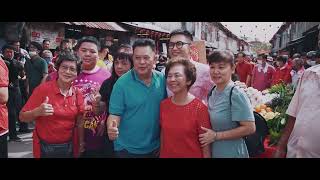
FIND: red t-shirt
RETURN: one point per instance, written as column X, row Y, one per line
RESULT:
column 289, row 62
column 58, row 127
column 4, row 82
column 261, row 80
column 180, row 128
column 282, row 74
column 243, row 69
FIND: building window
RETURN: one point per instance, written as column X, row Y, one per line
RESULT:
column 217, row 36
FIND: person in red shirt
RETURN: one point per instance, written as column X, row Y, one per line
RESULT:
column 262, row 73
column 282, row 73
column 182, row 115
column 4, row 83
column 243, row 69
column 55, row 106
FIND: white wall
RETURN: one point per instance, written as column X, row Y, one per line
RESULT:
column 169, row 26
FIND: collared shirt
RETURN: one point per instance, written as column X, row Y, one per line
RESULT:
column 282, row 75
column 262, row 76
column 296, row 75
column 138, row 105
column 203, row 83
column 57, row 128
column 304, row 106
column 243, row 69
column 4, row 82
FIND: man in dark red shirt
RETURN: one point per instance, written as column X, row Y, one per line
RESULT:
column 4, row 83
column 243, row 69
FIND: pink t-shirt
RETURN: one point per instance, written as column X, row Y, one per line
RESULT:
column 304, row 139
column 89, row 83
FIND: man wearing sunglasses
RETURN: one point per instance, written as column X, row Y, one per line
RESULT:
column 179, row 45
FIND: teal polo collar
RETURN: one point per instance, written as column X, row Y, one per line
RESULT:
column 135, row 77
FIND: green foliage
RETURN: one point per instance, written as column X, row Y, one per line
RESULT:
column 279, row 104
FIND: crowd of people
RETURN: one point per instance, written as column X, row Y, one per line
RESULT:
column 134, row 103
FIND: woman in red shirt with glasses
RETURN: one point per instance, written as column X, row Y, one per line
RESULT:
column 55, row 106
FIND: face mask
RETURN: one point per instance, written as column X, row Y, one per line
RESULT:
column 294, row 68
column 32, row 53
column 312, row 63
column 48, row 59
column 259, row 62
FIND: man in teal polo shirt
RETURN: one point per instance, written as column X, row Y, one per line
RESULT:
column 134, row 106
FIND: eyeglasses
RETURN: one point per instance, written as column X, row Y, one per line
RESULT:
column 179, row 44
column 65, row 69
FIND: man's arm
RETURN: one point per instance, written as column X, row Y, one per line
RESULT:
column 44, row 71
column 45, row 75
column 253, row 75
column 286, row 132
column 80, row 126
column 248, row 81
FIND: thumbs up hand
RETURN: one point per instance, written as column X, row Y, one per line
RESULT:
column 113, row 131
column 45, row 109
column 96, row 98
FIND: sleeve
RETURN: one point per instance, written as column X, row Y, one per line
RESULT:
column 44, row 67
column 287, row 78
column 35, row 100
column 161, row 111
column 165, row 88
column 117, row 100
column 241, row 109
column 80, row 101
column 249, row 69
column 294, row 104
column 103, row 90
column 253, row 72
column 270, row 75
column 4, row 79
column 203, row 119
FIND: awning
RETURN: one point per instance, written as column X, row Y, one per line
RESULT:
column 311, row 30
column 146, row 26
column 111, row 26
column 210, row 45
column 296, row 41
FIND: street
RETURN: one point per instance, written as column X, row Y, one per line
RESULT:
column 21, row 149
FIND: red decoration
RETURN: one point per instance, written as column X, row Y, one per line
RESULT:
column 35, row 34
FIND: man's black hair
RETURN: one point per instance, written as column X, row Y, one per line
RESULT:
column 36, row 45
column 282, row 58
column 181, row 32
column 90, row 39
column 7, row 46
column 144, row 42
column 45, row 41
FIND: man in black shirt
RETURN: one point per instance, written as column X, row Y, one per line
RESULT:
column 14, row 101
